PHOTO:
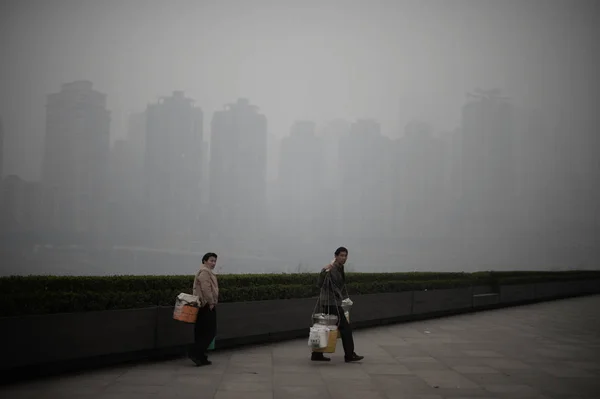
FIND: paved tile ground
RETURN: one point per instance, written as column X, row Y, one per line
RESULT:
column 544, row 351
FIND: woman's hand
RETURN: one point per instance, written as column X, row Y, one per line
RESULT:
column 211, row 307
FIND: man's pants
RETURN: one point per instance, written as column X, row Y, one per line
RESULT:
column 344, row 328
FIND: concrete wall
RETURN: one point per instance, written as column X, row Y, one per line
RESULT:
column 513, row 294
column 369, row 310
column 52, row 338
column 33, row 341
column 442, row 301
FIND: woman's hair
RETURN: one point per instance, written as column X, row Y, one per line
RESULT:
column 340, row 250
column 207, row 256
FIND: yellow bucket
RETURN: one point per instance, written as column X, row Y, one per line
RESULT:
column 331, row 343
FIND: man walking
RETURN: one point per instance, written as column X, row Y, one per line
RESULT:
column 333, row 296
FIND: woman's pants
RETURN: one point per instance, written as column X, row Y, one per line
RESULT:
column 345, row 330
column 204, row 331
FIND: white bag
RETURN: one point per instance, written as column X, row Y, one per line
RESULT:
column 314, row 341
column 187, row 299
column 318, row 337
column 347, row 304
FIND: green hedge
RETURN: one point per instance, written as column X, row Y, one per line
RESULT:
column 140, row 283
column 28, row 295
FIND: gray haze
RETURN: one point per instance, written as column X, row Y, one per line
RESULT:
column 423, row 135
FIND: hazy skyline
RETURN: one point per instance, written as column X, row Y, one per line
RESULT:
column 390, row 60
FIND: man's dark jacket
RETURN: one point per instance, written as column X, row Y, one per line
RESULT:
column 332, row 284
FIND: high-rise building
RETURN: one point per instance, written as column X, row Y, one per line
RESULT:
column 136, row 143
column 122, row 172
column 418, row 181
column 488, row 161
column 205, row 172
column 366, row 201
column 300, row 213
column 11, row 201
column 122, row 208
column 536, row 178
column 273, row 156
column 76, row 156
column 127, row 184
column 330, row 135
column 1, row 150
column 173, row 169
column 136, row 135
column 451, row 143
column 238, row 174
column 20, row 206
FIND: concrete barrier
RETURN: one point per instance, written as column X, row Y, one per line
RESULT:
column 373, row 309
column 483, row 301
column 30, row 341
column 520, row 293
column 33, row 340
column 587, row 287
column 262, row 321
column 170, row 332
column 543, row 291
column 483, row 289
column 442, row 301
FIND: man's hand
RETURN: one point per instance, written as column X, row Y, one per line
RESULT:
column 212, row 307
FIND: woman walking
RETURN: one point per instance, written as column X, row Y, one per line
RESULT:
column 206, row 288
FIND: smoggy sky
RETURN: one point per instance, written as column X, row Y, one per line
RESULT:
column 390, row 60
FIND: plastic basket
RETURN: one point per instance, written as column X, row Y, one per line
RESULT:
column 185, row 313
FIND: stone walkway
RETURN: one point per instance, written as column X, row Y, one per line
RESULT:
column 548, row 350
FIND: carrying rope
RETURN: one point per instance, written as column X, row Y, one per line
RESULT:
column 326, row 288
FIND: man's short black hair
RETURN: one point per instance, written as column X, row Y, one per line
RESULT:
column 207, row 256
column 340, row 250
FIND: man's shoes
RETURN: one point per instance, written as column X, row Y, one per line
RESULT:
column 319, row 357
column 354, row 358
column 200, row 362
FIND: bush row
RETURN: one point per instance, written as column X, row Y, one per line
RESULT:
column 51, row 294
column 15, row 284
column 18, row 284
